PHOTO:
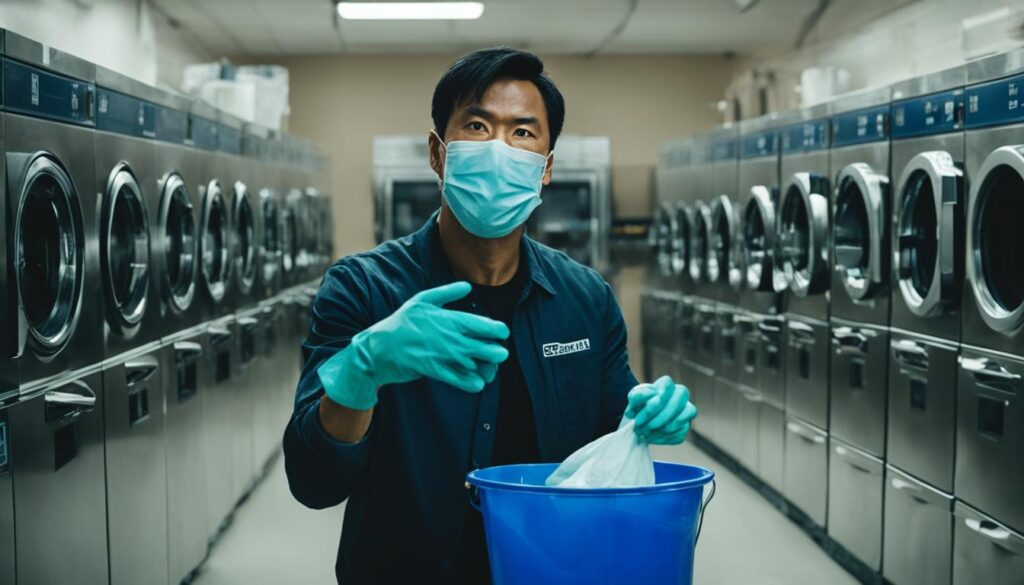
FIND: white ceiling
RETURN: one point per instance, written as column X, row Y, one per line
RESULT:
column 293, row 27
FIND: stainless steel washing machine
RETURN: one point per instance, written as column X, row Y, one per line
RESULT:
column 246, row 384
column 722, row 262
column 214, row 196
column 126, row 181
column 185, row 368
column 8, row 322
column 985, row 551
column 990, row 425
column 246, row 229
column 136, row 465
column 860, row 279
column 927, row 247
column 49, row 101
column 218, row 390
column 760, row 325
column 928, row 200
column 174, row 224
column 802, row 251
column 265, row 195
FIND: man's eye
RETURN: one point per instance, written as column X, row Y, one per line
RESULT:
column 476, row 126
column 522, row 133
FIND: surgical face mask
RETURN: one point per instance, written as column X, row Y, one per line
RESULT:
column 491, row 187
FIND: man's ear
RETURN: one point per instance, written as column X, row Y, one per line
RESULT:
column 436, row 154
column 547, row 169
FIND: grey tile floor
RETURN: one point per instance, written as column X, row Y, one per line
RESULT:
column 745, row 540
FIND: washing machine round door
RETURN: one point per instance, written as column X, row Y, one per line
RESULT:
column 723, row 259
column 270, row 243
column 928, row 237
column 124, row 249
column 860, row 241
column 759, row 239
column 665, row 229
column 699, row 242
column 245, row 239
column 803, row 234
column 178, row 229
column 681, row 239
column 49, row 249
column 995, row 260
column 214, row 246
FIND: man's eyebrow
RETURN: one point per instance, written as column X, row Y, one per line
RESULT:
column 527, row 120
column 479, row 112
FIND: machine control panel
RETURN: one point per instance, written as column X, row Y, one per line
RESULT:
column 724, row 149
column 760, row 145
column 203, row 133
column 861, row 126
column 38, row 92
column 171, row 125
column 123, row 114
column 805, row 137
column 997, row 102
column 933, row 114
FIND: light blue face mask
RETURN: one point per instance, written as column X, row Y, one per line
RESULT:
column 491, row 187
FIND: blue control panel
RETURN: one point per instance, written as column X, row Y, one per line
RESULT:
column 760, row 145
column 38, row 92
column 204, row 133
column 171, row 125
column 725, row 149
column 861, row 126
column 805, row 137
column 229, row 139
column 933, row 114
column 997, row 102
column 124, row 114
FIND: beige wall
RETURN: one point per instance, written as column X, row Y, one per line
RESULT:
column 341, row 103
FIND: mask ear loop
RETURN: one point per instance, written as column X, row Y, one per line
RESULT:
column 440, row 179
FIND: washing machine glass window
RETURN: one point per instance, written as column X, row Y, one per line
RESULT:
column 179, row 241
column 928, row 231
column 759, row 238
column 245, row 232
column 665, row 230
column 699, row 251
column 681, row 246
column 270, row 243
column 124, row 248
column 996, row 259
column 803, row 227
column 859, row 228
column 723, row 262
column 49, row 249
column 288, row 238
column 215, row 242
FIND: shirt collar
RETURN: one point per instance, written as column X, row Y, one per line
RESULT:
column 428, row 241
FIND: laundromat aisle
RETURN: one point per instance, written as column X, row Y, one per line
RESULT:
column 745, row 541
column 275, row 540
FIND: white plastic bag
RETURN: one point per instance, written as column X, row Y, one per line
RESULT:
column 617, row 459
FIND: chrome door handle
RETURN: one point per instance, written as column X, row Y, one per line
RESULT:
column 219, row 334
column 800, row 327
column 248, row 322
column 910, row 353
column 188, row 349
column 799, row 431
column 58, row 398
column 998, row 535
column 983, row 368
column 140, row 369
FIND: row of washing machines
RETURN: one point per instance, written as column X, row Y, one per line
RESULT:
column 156, row 262
column 842, row 287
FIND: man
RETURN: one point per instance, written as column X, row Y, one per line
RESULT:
column 463, row 345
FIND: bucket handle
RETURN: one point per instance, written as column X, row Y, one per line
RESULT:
column 703, row 508
column 474, row 497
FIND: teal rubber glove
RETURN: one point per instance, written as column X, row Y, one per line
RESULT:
column 661, row 411
column 420, row 339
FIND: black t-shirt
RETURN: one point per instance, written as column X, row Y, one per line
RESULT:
column 515, row 430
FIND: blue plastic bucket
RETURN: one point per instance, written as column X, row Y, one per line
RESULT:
column 538, row 535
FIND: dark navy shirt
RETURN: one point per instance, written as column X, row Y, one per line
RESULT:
column 405, row 481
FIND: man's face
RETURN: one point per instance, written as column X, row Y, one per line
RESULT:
column 511, row 110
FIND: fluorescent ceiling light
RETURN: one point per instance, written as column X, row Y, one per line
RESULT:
column 410, row 10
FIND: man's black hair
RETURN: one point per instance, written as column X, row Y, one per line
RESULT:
column 469, row 77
